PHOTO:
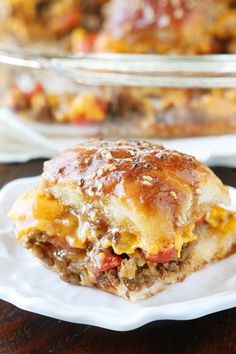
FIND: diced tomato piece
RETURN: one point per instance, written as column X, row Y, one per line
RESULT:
column 82, row 121
column 102, row 104
column 109, row 261
column 38, row 88
column 161, row 256
column 68, row 21
column 200, row 220
column 86, row 45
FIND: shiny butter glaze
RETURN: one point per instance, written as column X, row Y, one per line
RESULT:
column 156, row 190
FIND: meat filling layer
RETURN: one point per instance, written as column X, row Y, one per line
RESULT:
column 75, row 266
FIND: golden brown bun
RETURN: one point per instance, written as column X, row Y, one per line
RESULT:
column 153, row 26
column 136, row 186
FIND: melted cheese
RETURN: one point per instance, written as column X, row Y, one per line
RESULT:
column 186, row 235
column 126, row 243
column 36, row 211
column 221, row 219
column 88, row 107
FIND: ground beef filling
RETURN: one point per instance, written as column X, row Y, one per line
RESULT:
column 72, row 266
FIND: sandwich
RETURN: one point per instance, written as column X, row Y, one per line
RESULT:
column 128, row 217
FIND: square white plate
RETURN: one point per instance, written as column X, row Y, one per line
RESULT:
column 25, row 283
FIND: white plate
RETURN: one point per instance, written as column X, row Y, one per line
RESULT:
column 25, row 283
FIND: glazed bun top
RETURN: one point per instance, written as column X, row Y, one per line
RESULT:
column 158, row 26
column 141, row 14
column 136, row 186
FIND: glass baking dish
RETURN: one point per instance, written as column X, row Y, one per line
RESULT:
column 122, row 95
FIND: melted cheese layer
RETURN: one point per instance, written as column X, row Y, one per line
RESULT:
column 36, row 211
column 222, row 219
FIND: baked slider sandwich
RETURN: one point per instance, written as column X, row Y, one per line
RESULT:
column 129, row 217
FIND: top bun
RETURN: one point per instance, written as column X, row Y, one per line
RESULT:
column 136, row 186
